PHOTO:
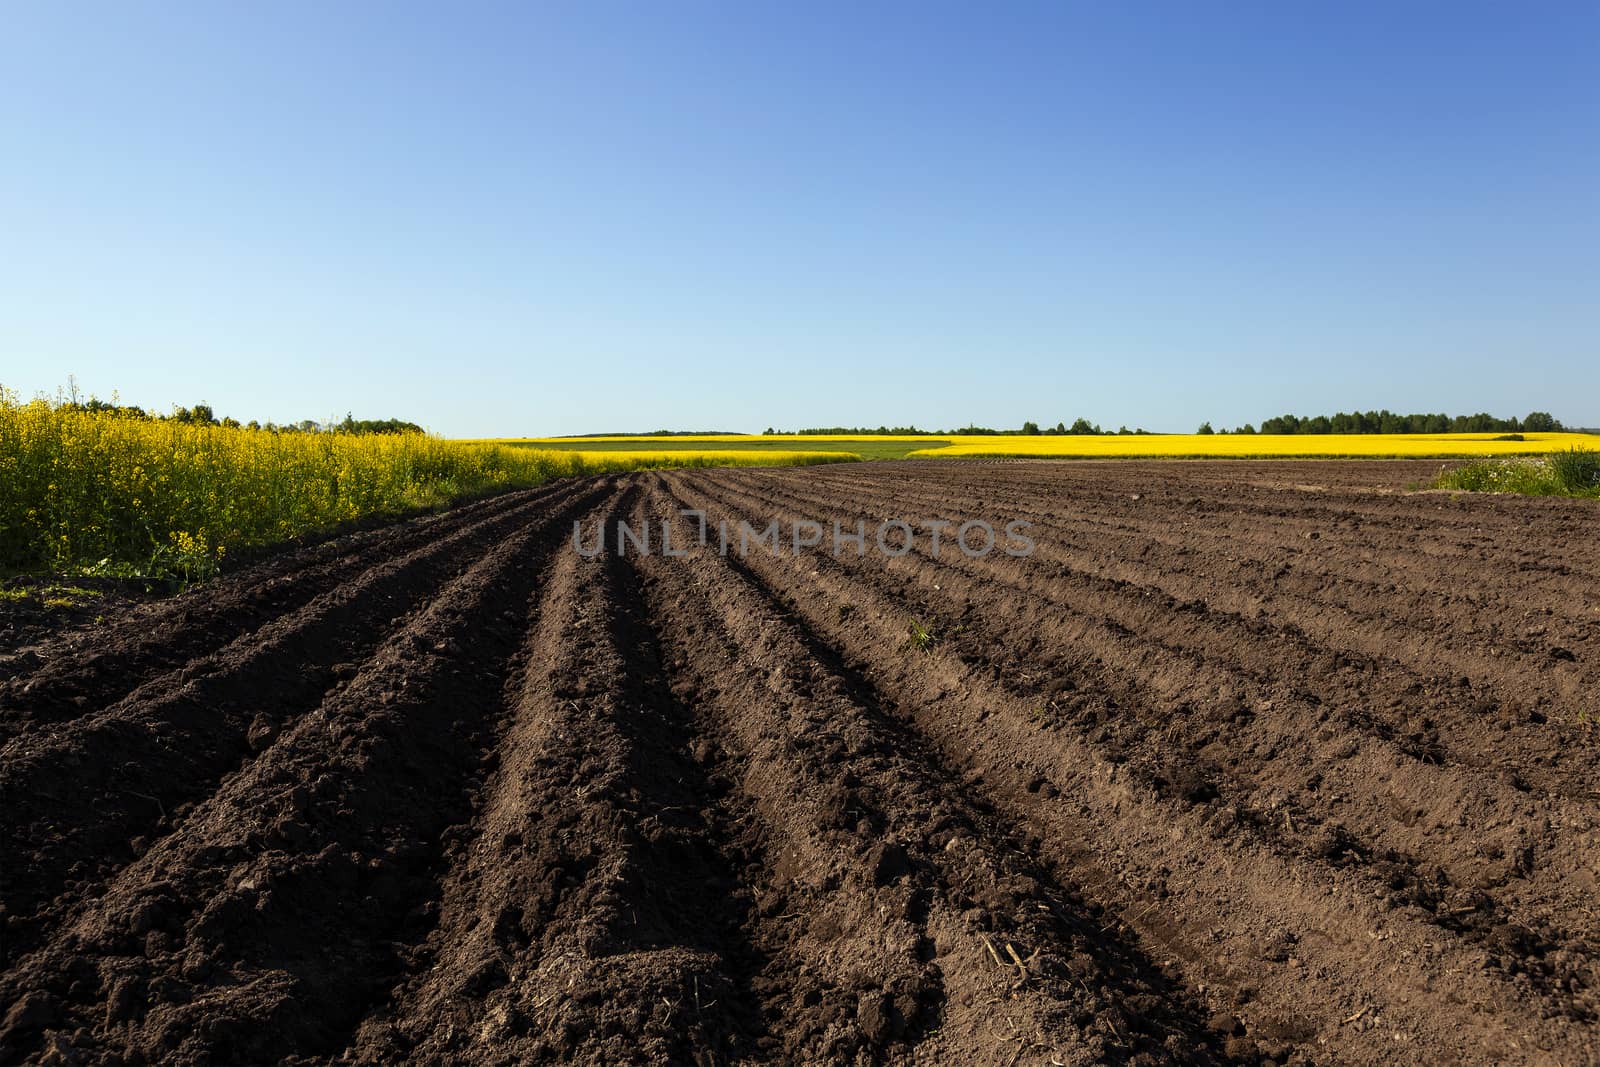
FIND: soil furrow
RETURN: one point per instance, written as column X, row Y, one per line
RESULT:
column 596, row 915
column 1203, row 645
column 279, row 908
column 1341, row 544
column 1401, row 543
column 1140, row 839
column 71, row 676
column 1248, row 763
column 1293, row 776
column 862, row 826
column 166, row 747
column 1287, row 580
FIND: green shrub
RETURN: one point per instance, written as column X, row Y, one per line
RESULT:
column 1575, row 472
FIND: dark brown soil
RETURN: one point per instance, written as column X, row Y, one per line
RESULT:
column 35, row 608
column 1248, row 763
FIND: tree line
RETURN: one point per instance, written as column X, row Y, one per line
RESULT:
column 1386, row 421
column 68, row 399
column 203, row 415
column 1079, row 427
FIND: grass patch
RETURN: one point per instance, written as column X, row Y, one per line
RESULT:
column 74, row 591
column 1577, row 470
column 1574, row 472
column 50, row 595
column 919, row 638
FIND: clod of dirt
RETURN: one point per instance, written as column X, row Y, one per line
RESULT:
column 125, row 1001
column 1241, row 1049
column 1277, row 946
column 150, row 916
column 880, row 1020
column 1522, row 861
column 1190, row 781
column 889, row 862
column 261, row 734
column 35, row 1011
column 488, row 976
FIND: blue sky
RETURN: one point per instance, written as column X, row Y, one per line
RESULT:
column 509, row 219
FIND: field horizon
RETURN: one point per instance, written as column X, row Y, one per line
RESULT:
column 1086, row 446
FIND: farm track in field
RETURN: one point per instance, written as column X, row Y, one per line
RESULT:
column 1246, row 763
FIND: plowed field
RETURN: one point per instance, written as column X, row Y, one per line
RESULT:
column 1247, row 762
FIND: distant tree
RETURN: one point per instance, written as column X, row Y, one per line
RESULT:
column 1061, row 427
column 1205, row 428
column 199, row 415
column 1541, row 422
column 1030, row 429
column 1246, row 429
column 1083, row 427
column 374, row 426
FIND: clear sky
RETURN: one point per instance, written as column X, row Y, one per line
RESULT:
column 531, row 218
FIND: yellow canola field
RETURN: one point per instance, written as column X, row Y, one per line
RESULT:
column 1261, row 445
column 93, row 491
column 644, row 459
column 1108, row 446
column 718, row 438
column 114, row 494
